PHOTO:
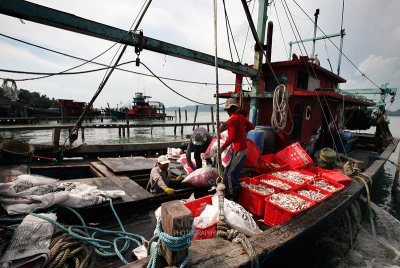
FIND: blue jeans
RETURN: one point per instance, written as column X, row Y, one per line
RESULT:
column 232, row 171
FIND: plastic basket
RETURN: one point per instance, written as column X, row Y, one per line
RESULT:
column 252, row 200
column 268, row 163
column 337, row 176
column 270, row 177
column 293, row 184
column 332, row 175
column 334, row 184
column 275, row 215
column 196, row 207
column 295, row 156
column 313, row 188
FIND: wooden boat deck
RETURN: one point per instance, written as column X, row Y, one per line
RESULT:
column 283, row 240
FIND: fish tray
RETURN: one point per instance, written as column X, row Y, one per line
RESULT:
column 293, row 184
column 308, row 187
column 269, row 177
column 334, row 184
column 268, row 163
column 196, row 207
column 295, row 156
column 252, row 200
column 332, row 175
column 275, row 215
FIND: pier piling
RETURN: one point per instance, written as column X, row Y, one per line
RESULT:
column 195, row 116
column 212, row 118
column 56, row 136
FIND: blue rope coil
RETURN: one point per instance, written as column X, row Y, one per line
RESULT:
column 174, row 243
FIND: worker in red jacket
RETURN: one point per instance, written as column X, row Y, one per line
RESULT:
column 238, row 125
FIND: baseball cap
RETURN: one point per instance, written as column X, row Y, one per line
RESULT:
column 230, row 102
column 163, row 160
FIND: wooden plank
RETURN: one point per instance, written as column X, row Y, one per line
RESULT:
column 121, row 165
column 133, row 189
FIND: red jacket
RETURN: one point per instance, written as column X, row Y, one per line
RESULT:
column 238, row 125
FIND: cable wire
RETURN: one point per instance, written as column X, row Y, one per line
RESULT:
column 105, row 65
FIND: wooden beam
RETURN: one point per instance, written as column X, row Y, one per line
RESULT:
column 176, row 220
column 55, row 18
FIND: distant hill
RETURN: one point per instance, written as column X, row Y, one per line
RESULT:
column 393, row 113
column 202, row 108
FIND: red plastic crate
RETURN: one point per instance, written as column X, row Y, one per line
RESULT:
column 334, row 184
column 196, row 207
column 313, row 188
column 268, row 163
column 252, row 200
column 295, row 156
column 275, row 215
column 337, row 176
column 269, row 177
column 294, row 185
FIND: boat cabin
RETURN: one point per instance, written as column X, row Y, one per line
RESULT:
column 315, row 102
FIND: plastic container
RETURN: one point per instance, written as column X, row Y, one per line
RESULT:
column 275, row 215
column 295, row 156
column 268, row 163
column 294, row 185
column 196, row 207
column 252, row 200
column 336, row 176
column 347, row 138
column 332, row 175
column 257, row 136
column 308, row 187
column 334, row 184
column 270, row 177
column 253, row 154
column 269, row 138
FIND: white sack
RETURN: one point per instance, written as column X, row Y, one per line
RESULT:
column 237, row 217
column 30, row 241
column 207, row 217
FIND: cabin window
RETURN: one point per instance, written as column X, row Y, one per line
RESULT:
column 270, row 82
column 313, row 83
column 308, row 112
column 302, row 80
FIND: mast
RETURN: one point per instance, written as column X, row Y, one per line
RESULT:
column 258, row 55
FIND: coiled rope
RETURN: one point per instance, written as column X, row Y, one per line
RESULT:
column 174, row 243
column 224, row 231
column 280, row 105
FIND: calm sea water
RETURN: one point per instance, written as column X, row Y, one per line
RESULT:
column 369, row 250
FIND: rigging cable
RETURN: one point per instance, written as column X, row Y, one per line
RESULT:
column 283, row 39
column 73, row 135
column 176, row 92
column 247, row 34
column 233, row 38
column 101, row 64
column 351, row 62
column 315, row 74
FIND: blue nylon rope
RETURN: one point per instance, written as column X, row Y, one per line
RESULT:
column 174, row 243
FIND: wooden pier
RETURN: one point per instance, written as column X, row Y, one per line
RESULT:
column 123, row 128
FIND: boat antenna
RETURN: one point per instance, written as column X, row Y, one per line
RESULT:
column 73, row 135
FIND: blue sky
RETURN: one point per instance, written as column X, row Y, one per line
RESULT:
column 372, row 43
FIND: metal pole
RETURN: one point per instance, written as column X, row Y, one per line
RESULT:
column 315, row 30
column 342, row 34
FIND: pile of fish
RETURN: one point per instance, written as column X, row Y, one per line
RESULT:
column 279, row 184
column 259, row 188
column 290, row 202
column 313, row 195
column 292, row 176
column 326, row 186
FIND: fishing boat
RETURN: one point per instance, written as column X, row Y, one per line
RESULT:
column 318, row 115
column 141, row 108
